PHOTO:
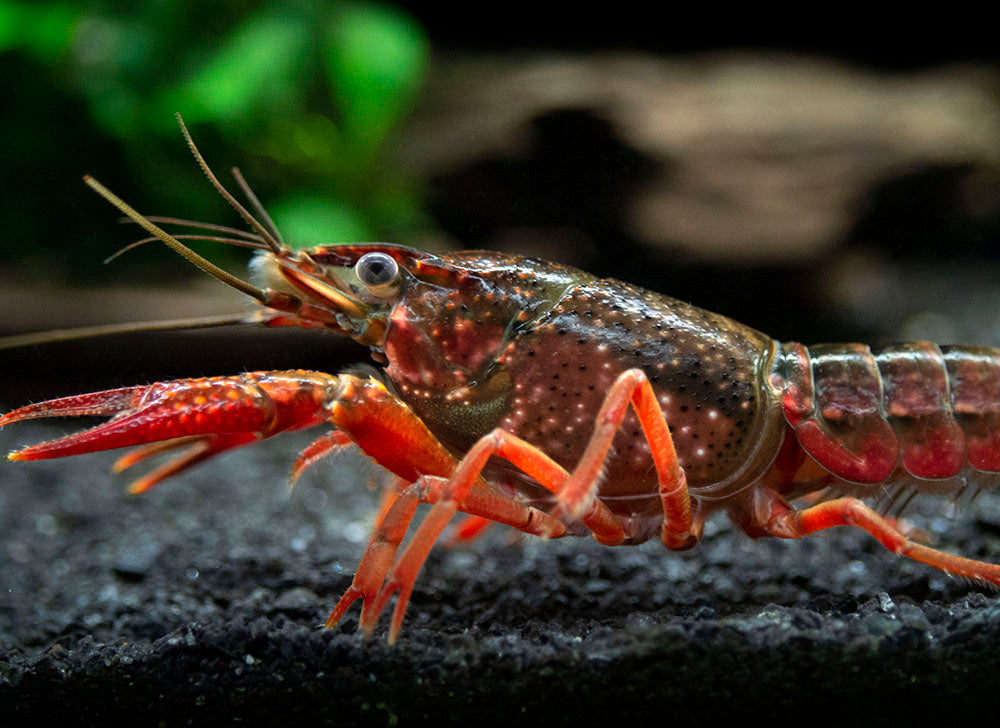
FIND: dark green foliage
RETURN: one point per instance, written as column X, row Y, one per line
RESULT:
column 303, row 95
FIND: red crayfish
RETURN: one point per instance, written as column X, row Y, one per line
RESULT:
column 536, row 395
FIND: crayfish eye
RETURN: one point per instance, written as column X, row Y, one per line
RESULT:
column 379, row 272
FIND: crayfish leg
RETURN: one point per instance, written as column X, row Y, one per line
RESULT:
column 197, row 449
column 469, row 529
column 373, row 582
column 318, row 449
column 378, row 557
column 462, row 492
column 784, row 521
column 681, row 527
column 576, row 493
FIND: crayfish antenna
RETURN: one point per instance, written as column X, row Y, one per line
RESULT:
column 265, row 236
column 87, row 332
column 258, row 208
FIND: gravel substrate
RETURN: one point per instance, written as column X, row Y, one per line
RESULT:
column 201, row 602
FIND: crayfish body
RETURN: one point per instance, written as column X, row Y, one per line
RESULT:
column 541, row 397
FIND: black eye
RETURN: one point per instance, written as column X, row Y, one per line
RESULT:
column 378, row 271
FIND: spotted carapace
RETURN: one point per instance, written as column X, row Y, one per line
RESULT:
column 538, row 396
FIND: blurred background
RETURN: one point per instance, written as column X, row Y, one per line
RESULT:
column 813, row 175
column 818, row 190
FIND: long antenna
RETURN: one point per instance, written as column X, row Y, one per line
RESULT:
column 211, row 268
column 88, row 332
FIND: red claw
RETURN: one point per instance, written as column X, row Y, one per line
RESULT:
column 108, row 402
column 207, row 416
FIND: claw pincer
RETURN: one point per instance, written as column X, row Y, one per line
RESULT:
column 259, row 404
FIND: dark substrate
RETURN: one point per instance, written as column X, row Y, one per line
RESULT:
column 201, row 601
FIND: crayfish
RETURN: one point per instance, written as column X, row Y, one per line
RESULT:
column 541, row 397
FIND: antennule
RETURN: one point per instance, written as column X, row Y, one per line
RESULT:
column 203, row 238
column 228, row 278
column 164, row 220
column 255, row 204
column 234, row 203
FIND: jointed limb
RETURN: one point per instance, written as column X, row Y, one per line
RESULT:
column 680, row 529
column 783, row 521
column 576, row 493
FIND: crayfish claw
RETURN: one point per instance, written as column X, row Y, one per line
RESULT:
column 219, row 413
column 109, row 402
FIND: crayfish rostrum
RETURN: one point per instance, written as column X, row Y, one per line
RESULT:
column 538, row 396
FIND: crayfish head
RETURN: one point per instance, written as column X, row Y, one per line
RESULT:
column 443, row 325
column 452, row 328
column 351, row 289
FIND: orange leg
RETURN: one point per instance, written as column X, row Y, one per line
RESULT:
column 390, row 492
column 464, row 491
column 470, row 528
column 380, row 553
column 389, row 431
column 324, row 445
column 680, row 529
column 576, row 493
column 786, row 522
column 194, row 450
